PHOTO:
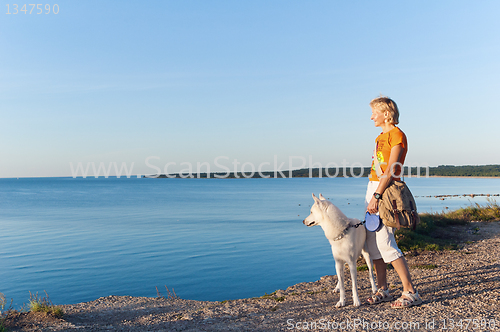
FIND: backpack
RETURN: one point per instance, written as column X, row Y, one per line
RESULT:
column 397, row 206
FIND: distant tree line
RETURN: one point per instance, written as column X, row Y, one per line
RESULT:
column 450, row 170
column 442, row 170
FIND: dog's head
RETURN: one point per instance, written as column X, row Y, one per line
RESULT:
column 318, row 211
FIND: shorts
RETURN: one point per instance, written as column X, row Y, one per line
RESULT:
column 381, row 244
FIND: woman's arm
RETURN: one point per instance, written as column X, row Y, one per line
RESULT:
column 386, row 178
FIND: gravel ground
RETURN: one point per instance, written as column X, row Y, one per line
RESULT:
column 460, row 290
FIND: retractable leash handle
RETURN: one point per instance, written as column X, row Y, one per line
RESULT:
column 372, row 222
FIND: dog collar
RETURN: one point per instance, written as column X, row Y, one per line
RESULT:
column 344, row 232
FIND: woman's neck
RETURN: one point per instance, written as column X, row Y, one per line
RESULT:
column 386, row 127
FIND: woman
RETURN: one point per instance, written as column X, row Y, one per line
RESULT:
column 389, row 156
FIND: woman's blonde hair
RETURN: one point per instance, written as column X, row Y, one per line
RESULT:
column 386, row 104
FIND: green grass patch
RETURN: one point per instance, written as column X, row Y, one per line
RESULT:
column 44, row 304
column 316, row 292
column 268, row 296
column 432, row 234
column 3, row 305
column 273, row 296
column 362, row 267
column 426, row 266
column 476, row 212
column 3, row 302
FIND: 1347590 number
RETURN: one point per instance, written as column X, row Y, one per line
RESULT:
column 469, row 324
column 32, row 9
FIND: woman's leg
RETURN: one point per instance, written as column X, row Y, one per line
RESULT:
column 403, row 272
column 381, row 273
column 382, row 294
column 410, row 296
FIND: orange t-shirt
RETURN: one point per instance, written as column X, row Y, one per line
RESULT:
column 385, row 142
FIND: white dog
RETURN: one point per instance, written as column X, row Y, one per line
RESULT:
column 347, row 237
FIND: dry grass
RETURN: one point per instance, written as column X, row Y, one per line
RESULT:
column 433, row 232
column 170, row 294
column 44, row 304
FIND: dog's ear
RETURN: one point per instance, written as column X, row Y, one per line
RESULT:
column 315, row 198
column 321, row 197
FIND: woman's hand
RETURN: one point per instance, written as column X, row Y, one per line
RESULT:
column 373, row 206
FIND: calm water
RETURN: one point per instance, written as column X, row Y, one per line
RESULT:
column 80, row 239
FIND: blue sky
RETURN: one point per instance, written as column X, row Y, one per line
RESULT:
column 189, row 81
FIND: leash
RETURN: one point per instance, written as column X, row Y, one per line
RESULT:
column 344, row 232
column 358, row 224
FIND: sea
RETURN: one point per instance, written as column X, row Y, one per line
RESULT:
column 78, row 239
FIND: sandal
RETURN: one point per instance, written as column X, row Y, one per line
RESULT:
column 380, row 296
column 407, row 300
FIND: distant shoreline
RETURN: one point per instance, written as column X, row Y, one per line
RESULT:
column 442, row 171
column 483, row 171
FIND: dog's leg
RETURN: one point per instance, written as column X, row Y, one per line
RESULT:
column 339, row 266
column 369, row 263
column 337, row 288
column 354, row 280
